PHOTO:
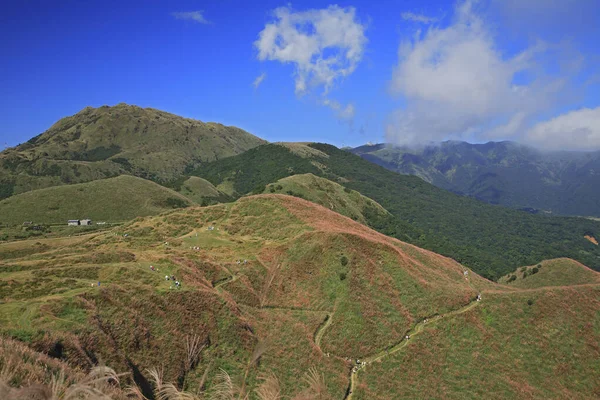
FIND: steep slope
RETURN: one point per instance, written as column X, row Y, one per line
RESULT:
column 559, row 272
column 501, row 173
column 107, row 141
column 489, row 239
column 317, row 291
column 331, row 195
column 111, row 200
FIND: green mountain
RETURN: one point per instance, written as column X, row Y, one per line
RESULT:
column 491, row 240
column 97, row 143
column 111, row 200
column 322, row 308
column 505, row 173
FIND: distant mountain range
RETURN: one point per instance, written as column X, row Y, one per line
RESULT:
column 504, row 173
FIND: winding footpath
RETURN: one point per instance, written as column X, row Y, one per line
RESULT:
column 418, row 328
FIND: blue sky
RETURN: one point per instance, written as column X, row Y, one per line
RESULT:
column 344, row 73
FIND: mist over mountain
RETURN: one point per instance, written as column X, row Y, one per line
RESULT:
column 505, row 173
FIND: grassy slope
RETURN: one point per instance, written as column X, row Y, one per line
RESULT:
column 295, row 278
column 305, row 264
column 328, row 194
column 292, row 280
column 201, row 191
column 107, row 141
column 503, row 349
column 115, row 199
column 490, row 239
column 557, row 272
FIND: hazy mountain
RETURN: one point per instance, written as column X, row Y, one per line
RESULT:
column 503, row 173
column 108, row 141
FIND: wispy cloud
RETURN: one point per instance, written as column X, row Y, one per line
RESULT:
column 345, row 113
column 195, row 16
column 259, row 79
column 409, row 16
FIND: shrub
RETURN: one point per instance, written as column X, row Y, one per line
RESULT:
column 530, row 302
column 344, row 261
column 534, row 270
column 511, row 278
column 343, row 276
column 347, row 190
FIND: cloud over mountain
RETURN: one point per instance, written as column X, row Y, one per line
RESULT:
column 460, row 81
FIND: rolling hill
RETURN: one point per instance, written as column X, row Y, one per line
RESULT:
column 330, row 195
column 283, row 288
column 491, row 240
column 200, row 191
column 562, row 271
column 103, row 142
column 111, row 200
column 503, row 173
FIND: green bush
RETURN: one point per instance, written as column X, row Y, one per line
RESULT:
column 343, row 276
column 534, row 270
column 344, row 261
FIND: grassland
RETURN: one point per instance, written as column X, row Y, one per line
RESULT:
column 277, row 284
column 558, row 272
column 201, row 191
column 115, row 199
column 330, row 195
column 104, row 142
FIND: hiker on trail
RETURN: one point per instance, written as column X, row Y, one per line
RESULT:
column 166, row 277
column 172, row 277
column 245, row 261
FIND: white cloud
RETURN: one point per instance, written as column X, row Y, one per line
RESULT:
column 456, row 83
column 345, row 113
column 575, row 130
column 196, row 16
column 324, row 45
column 259, row 79
column 409, row 16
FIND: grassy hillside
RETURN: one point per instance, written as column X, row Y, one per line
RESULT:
column 492, row 240
column 317, row 292
column 562, row 271
column 107, row 141
column 525, row 345
column 331, row 195
column 200, row 190
column 115, row 199
column 504, row 173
